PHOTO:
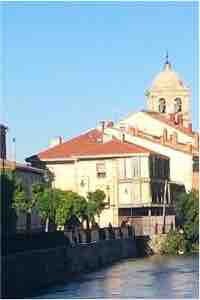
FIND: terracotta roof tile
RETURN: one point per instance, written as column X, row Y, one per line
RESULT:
column 89, row 144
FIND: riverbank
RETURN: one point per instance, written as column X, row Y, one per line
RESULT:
column 29, row 271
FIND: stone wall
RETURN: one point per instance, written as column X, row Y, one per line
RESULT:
column 27, row 272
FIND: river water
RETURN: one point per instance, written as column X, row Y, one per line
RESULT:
column 152, row 277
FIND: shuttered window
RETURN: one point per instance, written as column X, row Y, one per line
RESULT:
column 129, row 167
column 101, row 170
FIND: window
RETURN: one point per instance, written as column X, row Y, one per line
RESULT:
column 122, row 168
column 162, row 106
column 177, row 105
column 101, row 170
column 129, row 167
column 159, row 167
column 136, row 167
column 195, row 164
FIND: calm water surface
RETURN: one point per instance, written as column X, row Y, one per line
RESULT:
column 152, row 277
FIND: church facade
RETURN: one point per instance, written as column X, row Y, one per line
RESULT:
column 140, row 162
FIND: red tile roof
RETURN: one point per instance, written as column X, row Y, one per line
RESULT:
column 158, row 116
column 89, row 144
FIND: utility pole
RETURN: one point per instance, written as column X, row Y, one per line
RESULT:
column 164, row 206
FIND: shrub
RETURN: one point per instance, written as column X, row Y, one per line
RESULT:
column 173, row 243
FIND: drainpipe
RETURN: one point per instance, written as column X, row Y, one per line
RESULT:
column 164, row 206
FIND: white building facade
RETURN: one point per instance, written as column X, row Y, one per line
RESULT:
column 137, row 162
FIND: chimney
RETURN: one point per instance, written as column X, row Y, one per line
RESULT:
column 174, row 138
column 102, row 126
column 55, row 141
column 131, row 130
column 165, row 135
column 3, row 130
column 180, row 120
column 110, row 124
column 196, row 140
column 190, row 127
column 136, row 131
column 189, row 147
column 171, row 117
column 176, row 119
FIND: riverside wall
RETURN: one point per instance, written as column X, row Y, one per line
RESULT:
column 27, row 272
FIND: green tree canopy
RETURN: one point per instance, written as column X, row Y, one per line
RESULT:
column 46, row 201
column 187, row 211
column 95, row 204
column 65, row 208
column 21, row 202
column 8, row 215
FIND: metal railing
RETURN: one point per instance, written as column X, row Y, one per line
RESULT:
column 83, row 236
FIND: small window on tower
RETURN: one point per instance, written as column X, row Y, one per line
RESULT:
column 177, row 105
column 162, row 105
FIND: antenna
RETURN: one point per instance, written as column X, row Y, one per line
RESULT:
column 167, row 64
column 167, row 57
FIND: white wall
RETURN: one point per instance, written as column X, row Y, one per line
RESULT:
column 64, row 175
column 152, row 126
column 180, row 162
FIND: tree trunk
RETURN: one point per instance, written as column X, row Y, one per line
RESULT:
column 88, row 223
column 28, row 222
column 47, row 225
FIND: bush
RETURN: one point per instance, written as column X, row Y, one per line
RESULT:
column 173, row 243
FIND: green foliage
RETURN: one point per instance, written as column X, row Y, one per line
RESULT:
column 80, row 207
column 187, row 211
column 187, row 236
column 65, row 208
column 46, row 200
column 73, row 204
column 95, row 204
column 8, row 216
column 174, row 243
column 56, row 206
column 21, row 202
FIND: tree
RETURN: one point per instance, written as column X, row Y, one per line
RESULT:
column 187, row 211
column 65, row 207
column 95, row 204
column 46, row 202
column 71, row 204
column 8, row 216
column 22, row 202
column 80, row 208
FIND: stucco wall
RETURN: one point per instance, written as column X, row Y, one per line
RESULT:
column 150, row 125
column 81, row 177
column 180, row 162
column 64, row 175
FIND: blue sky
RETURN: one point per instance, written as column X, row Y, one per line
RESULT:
column 68, row 65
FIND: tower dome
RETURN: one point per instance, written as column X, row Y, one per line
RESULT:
column 167, row 79
column 169, row 95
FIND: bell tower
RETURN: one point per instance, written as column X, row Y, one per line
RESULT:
column 168, row 95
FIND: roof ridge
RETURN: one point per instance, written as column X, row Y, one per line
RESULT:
column 69, row 140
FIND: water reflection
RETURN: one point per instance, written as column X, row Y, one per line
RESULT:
column 153, row 277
